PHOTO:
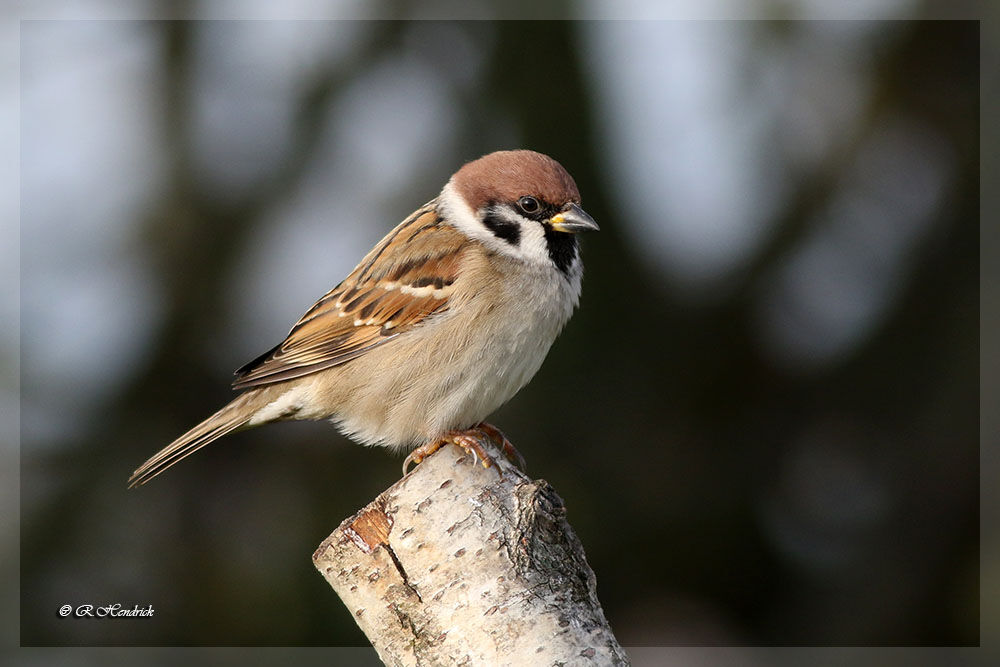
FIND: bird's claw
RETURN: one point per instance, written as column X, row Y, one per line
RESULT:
column 506, row 446
column 471, row 441
column 420, row 453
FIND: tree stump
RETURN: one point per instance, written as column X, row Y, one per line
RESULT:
column 460, row 564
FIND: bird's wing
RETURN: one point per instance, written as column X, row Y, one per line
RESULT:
column 407, row 277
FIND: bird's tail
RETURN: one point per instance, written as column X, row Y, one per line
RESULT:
column 232, row 417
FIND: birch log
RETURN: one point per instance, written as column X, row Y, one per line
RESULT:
column 458, row 564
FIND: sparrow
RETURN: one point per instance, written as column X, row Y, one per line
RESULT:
column 448, row 317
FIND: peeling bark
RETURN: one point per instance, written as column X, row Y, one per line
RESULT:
column 456, row 564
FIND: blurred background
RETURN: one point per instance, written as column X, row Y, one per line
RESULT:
column 773, row 436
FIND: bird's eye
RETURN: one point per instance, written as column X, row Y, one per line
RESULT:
column 528, row 204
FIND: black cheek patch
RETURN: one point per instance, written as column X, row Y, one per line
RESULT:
column 503, row 229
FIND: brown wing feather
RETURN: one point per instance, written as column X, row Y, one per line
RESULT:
column 390, row 291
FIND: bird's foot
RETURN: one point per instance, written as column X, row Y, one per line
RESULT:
column 506, row 446
column 470, row 440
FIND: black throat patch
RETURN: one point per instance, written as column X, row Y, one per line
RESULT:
column 562, row 248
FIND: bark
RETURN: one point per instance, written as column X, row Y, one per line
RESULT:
column 456, row 564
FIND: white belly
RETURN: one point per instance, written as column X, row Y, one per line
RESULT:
column 456, row 369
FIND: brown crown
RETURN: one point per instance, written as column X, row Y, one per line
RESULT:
column 508, row 175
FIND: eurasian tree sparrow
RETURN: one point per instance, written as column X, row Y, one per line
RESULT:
column 438, row 326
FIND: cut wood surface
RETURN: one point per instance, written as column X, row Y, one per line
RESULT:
column 458, row 564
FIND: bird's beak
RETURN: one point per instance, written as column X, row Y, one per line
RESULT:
column 573, row 219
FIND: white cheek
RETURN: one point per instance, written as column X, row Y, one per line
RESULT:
column 454, row 209
column 530, row 248
column 533, row 247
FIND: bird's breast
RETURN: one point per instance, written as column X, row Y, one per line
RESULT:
column 460, row 365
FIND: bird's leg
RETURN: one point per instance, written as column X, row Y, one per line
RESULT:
column 509, row 450
column 470, row 440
